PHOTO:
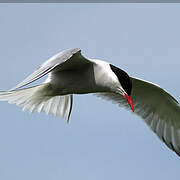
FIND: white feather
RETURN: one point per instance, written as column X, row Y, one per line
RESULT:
column 30, row 99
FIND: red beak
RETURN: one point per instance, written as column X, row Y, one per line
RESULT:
column 129, row 100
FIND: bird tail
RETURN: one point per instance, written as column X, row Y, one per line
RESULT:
column 41, row 99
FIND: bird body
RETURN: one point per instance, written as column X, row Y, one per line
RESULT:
column 71, row 73
column 91, row 78
column 68, row 73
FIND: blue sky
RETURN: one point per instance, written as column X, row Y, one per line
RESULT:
column 102, row 141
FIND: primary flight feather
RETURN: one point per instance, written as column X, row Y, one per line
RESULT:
column 70, row 73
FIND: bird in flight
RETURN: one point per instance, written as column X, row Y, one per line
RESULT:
column 71, row 73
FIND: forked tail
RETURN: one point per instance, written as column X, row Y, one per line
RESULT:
column 39, row 99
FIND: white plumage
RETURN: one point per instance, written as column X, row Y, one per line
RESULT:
column 71, row 73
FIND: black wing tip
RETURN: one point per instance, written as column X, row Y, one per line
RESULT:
column 171, row 146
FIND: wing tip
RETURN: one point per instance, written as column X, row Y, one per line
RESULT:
column 75, row 50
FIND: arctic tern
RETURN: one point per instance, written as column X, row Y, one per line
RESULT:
column 71, row 73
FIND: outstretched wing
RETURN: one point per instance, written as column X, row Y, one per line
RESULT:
column 66, row 59
column 157, row 108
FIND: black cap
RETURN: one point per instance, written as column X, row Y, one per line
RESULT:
column 123, row 78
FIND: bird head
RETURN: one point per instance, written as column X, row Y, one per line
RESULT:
column 126, row 84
